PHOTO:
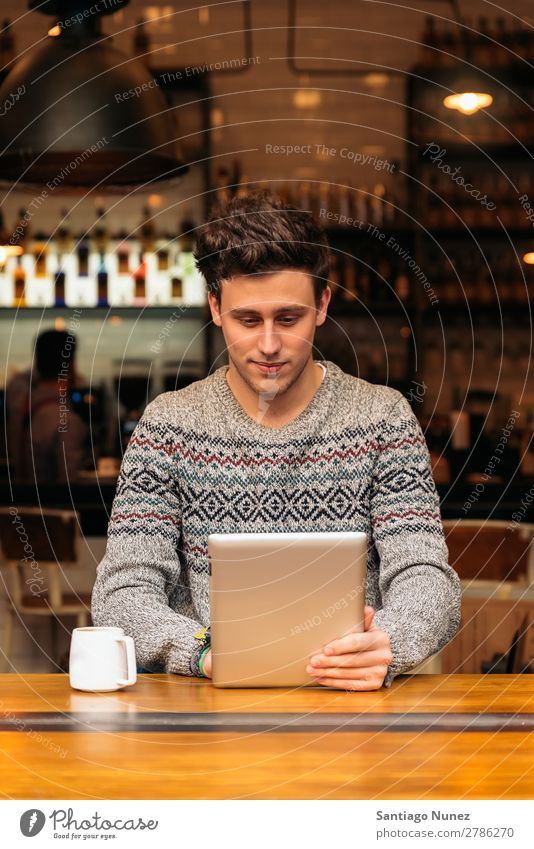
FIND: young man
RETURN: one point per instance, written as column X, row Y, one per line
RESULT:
column 275, row 442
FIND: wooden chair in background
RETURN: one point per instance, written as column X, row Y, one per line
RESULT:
column 495, row 562
column 490, row 550
column 36, row 545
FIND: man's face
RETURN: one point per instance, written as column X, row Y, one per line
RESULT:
column 268, row 322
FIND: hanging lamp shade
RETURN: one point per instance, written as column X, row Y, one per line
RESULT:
column 86, row 114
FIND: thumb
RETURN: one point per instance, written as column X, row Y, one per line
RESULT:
column 369, row 613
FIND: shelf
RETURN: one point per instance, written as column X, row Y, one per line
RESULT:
column 472, row 149
column 463, row 310
column 517, row 73
column 355, row 232
column 103, row 312
column 513, row 232
column 366, row 310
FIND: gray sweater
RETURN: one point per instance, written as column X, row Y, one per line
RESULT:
column 354, row 459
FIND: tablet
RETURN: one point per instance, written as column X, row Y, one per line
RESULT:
column 277, row 598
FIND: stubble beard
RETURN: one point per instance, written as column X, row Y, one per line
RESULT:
column 272, row 387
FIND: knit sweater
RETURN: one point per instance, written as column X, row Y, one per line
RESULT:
column 355, row 459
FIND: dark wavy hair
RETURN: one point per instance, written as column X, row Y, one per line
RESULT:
column 257, row 234
column 52, row 349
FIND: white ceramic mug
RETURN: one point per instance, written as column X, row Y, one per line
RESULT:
column 101, row 659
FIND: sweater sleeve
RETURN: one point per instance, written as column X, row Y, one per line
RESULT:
column 141, row 571
column 420, row 591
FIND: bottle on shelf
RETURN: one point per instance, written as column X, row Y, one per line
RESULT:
column 139, row 276
column 100, row 250
column 361, row 203
column 146, row 231
column 429, row 42
column 349, row 292
column 377, row 204
column 21, row 240
column 383, row 283
column 81, row 288
column 144, row 267
column 520, row 41
column 235, row 176
column 304, row 196
column 334, row 277
column 121, row 266
column 401, row 286
column 158, row 273
column 344, row 201
column 175, row 274
column 141, row 41
column 324, row 198
column 66, row 260
column 364, row 280
column 243, row 189
column 4, row 234
column 390, row 205
column 460, row 429
column 527, row 446
column 502, row 36
column 448, row 47
column 7, row 266
column 222, row 187
column 484, row 54
column 192, row 279
column 40, row 273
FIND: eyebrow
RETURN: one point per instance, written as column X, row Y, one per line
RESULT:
column 298, row 308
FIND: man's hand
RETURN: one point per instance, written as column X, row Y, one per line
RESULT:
column 206, row 664
column 356, row 661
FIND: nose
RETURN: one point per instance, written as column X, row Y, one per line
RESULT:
column 268, row 342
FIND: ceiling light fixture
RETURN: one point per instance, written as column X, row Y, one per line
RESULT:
column 89, row 114
column 468, row 102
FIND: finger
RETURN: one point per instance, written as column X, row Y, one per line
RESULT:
column 352, row 683
column 355, row 642
column 366, row 674
column 358, row 660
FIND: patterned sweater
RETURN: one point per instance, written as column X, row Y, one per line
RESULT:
column 354, row 459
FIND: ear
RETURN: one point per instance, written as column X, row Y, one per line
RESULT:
column 215, row 310
column 323, row 306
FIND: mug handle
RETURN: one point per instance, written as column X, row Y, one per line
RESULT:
column 131, row 665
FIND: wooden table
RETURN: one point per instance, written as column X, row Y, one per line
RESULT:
column 173, row 737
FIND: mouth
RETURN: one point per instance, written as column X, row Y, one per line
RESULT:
column 269, row 368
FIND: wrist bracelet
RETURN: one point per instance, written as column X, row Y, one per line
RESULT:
column 201, row 661
column 202, row 643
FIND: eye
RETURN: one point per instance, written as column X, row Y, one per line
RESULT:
column 248, row 322
column 288, row 319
